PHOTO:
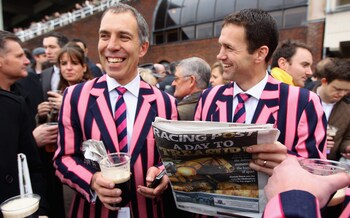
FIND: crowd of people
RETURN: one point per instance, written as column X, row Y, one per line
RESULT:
column 62, row 99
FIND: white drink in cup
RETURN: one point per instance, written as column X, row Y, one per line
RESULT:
column 20, row 206
column 116, row 167
column 324, row 167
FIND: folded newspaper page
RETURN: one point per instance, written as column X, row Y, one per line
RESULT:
column 208, row 167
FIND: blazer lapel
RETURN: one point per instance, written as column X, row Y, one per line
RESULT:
column 268, row 106
column 145, row 114
column 102, row 112
column 224, row 103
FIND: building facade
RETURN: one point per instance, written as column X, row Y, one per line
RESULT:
column 184, row 28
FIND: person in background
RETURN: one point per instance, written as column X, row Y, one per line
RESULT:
column 332, row 90
column 39, row 60
column 147, row 76
column 290, row 196
column 94, row 69
column 216, row 77
column 291, row 63
column 259, row 98
column 15, row 126
column 88, row 111
column 191, row 78
column 73, row 67
column 50, row 77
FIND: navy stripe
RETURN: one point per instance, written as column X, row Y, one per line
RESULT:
column 298, row 204
column 282, row 113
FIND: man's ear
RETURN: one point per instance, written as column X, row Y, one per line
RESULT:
column 261, row 54
column 282, row 63
column 324, row 81
column 143, row 49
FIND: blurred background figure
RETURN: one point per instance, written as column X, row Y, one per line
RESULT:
column 39, row 61
column 291, row 63
column 332, row 88
column 191, row 78
column 147, row 75
column 94, row 69
column 216, row 77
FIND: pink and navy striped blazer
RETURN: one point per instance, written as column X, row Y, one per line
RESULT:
column 86, row 114
column 296, row 112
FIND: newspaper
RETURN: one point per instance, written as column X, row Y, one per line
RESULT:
column 208, row 167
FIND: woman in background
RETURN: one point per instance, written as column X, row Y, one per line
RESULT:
column 216, row 74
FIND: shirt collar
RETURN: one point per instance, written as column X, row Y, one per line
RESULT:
column 56, row 69
column 133, row 87
column 255, row 91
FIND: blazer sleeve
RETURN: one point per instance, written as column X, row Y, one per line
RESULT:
column 68, row 159
column 295, row 203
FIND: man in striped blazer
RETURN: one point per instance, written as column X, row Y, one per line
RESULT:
column 88, row 113
column 248, row 39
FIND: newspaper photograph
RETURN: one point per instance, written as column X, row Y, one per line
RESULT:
column 208, row 166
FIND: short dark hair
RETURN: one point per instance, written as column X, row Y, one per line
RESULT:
column 260, row 29
column 79, row 40
column 62, row 40
column 287, row 50
column 5, row 36
column 337, row 69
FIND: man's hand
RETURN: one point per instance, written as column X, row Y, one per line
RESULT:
column 267, row 156
column 45, row 134
column 289, row 175
column 346, row 154
column 105, row 191
column 157, row 191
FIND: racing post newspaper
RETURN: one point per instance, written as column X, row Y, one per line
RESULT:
column 208, row 167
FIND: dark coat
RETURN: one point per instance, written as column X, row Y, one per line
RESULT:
column 16, row 137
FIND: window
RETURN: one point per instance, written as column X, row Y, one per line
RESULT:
column 189, row 12
column 217, row 28
column 269, row 5
column 172, row 36
column 161, row 12
column 173, row 15
column 205, row 10
column 180, row 20
column 295, row 17
column 224, row 7
column 205, row 31
column 243, row 4
column 187, row 33
column 278, row 16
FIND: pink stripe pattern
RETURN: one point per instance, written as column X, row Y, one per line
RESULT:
column 120, row 120
column 240, row 113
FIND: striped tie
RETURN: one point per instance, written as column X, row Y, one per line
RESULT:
column 120, row 120
column 239, row 116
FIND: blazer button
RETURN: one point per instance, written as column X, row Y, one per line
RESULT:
column 9, row 178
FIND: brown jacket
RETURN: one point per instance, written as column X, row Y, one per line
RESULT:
column 339, row 118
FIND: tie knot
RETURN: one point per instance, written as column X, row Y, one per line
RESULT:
column 242, row 97
column 121, row 90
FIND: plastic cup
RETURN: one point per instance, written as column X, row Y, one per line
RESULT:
column 324, row 167
column 116, row 167
column 20, row 206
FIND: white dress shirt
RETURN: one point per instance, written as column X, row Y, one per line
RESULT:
column 55, row 79
column 130, row 98
column 251, row 104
